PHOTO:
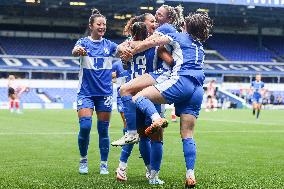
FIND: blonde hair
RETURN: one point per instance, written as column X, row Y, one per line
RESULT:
column 175, row 15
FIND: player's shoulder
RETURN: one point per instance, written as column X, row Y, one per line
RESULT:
column 84, row 39
column 166, row 28
column 104, row 40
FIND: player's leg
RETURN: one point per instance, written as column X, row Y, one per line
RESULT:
column 144, row 101
column 17, row 105
column 12, row 97
column 188, row 112
column 156, row 156
column 254, row 105
column 173, row 115
column 11, row 105
column 85, row 112
column 122, row 167
column 187, row 123
column 121, row 171
column 120, row 110
column 173, row 90
column 127, row 91
column 135, row 85
column 258, row 108
column 103, row 107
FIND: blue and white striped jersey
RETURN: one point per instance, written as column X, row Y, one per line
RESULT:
column 188, row 56
column 95, row 76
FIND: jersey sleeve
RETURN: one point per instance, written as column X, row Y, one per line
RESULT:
column 120, row 71
column 262, row 85
column 165, row 29
column 80, row 42
column 113, row 48
column 172, row 37
column 150, row 59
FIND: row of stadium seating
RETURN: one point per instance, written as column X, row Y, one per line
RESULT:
column 232, row 47
column 54, row 94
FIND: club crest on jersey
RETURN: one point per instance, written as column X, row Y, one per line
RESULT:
column 106, row 50
column 79, row 102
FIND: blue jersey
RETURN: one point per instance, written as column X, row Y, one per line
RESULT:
column 95, row 76
column 188, row 56
column 257, row 86
column 141, row 63
column 165, row 29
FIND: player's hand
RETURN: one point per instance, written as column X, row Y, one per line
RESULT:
column 80, row 51
column 126, row 55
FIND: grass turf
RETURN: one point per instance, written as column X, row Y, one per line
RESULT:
column 39, row 150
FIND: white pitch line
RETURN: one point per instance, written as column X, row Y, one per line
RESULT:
column 257, row 122
column 166, row 132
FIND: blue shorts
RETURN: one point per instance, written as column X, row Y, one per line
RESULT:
column 161, row 75
column 256, row 98
column 119, row 105
column 185, row 92
column 101, row 103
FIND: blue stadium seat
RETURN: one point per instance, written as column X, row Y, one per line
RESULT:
column 37, row 46
column 239, row 48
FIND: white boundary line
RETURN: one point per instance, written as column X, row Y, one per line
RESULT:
column 166, row 132
column 256, row 122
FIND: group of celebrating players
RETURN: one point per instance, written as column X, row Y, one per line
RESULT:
column 161, row 63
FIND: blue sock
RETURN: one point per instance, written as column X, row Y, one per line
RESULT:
column 129, row 109
column 257, row 114
column 84, row 135
column 125, row 152
column 145, row 148
column 103, row 139
column 124, row 130
column 189, row 151
column 156, row 155
column 146, row 106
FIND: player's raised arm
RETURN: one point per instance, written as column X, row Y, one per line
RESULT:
column 146, row 44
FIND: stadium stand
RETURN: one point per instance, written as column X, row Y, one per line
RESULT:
column 3, row 94
column 233, row 47
column 275, row 44
column 60, row 94
column 239, row 48
column 36, row 46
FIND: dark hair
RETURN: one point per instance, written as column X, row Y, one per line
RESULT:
column 95, row 14
column 175, row 15
column 139, row 31
column 129, row 24
column 199, row 25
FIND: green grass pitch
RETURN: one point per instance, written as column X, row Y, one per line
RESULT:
column 38, row 149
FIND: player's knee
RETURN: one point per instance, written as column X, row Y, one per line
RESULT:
column 85, row 126
column 157, row 136
column 187, row 126
column 124, row 90
column 103, row 128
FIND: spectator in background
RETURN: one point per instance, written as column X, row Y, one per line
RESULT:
column 272, row 98
column 211, row 98
column 279, row 100
column 14, row 94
